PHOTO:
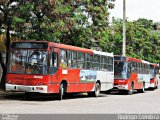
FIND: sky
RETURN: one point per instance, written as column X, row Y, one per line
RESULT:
column 135, row 9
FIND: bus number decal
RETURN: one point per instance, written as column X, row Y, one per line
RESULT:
column 64, row 72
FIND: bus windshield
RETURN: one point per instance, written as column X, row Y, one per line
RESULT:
column 28, row 62
column 152, row 72
column 121, row 70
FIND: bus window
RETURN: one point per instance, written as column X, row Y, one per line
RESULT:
column 97, row 62
column 72, row 59
column 28, row 62
column 152, row 72
column 88, row 63
column 91, row 62
column 110, row 66
column 103, row 63
column 80, row 61
column 121, row 70
column 53, row 62
column 63, row 55
column 18, row 61
column 37, row 62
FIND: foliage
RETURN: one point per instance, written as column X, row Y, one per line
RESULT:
column 141, row 41
column 81, row 23
column 71, row 22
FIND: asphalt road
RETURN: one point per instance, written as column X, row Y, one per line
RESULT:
column 141, row 103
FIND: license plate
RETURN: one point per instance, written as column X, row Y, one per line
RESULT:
column 24, row 88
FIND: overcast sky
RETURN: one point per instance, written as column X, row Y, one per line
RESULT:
column 135, row 9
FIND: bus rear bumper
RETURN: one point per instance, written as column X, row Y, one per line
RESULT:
column 120, row 87
column 152, row 85
column 24, row 88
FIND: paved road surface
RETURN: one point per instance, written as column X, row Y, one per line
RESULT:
column 148, row 102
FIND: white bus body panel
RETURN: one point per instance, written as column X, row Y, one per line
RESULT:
column 106, row 79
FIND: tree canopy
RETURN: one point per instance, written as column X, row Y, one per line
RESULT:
column 141, row 41
column 83, row 23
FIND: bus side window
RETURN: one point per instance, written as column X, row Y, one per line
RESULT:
column 88, row 63
column 110, row 64
column 97, row 61
column 129, row 67
column 53, row 62
column 72, row 59
column 55, row 59
column 63, row 62
column 80, row 61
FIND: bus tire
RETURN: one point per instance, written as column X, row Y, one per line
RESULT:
column 156, row 86
column 143, row 89
column 61, row 91
column 130, row 92
column 97, row 90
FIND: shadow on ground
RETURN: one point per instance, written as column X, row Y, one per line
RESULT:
column 116, row 92
column 44, row 97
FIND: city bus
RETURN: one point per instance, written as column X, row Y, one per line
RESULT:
column 47, row 67
column 131, row 74
column 154, row 76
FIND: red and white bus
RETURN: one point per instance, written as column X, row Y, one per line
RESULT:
column 47, row 67
column 154, row 76
column 131, row 74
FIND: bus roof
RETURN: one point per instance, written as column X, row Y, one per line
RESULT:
column 146, row 62
column 103, row 53
column 133, row 59
column 68, row 47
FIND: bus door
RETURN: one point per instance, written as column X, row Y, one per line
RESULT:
column 53, row 64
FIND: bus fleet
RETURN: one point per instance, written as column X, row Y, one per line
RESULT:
column 47, row 67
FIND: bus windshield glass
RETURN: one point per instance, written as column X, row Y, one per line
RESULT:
column 152, row 72
column 121, row 70
column 28, row 62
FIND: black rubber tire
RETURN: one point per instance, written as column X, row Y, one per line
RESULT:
column 130, row 92
column 96, row 92
column 142, row 90
column 61, row 91
column 156, row 87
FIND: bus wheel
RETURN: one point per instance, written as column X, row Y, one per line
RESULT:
column 130, row 92
column 61, row 91
column 96, row 90
column 156, row 86
column 143, row 89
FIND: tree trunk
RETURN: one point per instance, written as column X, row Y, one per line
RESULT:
column 8, row 41
column 4, row 66
column 4, row 72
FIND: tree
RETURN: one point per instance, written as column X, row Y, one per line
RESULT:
column 77, row 23
column 141, row 41
column 7, row 12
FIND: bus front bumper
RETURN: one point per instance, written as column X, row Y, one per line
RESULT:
column 24, row 88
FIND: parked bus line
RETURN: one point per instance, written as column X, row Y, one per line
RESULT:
column 47, row 67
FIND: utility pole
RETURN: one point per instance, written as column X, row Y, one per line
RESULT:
column 124, row 29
